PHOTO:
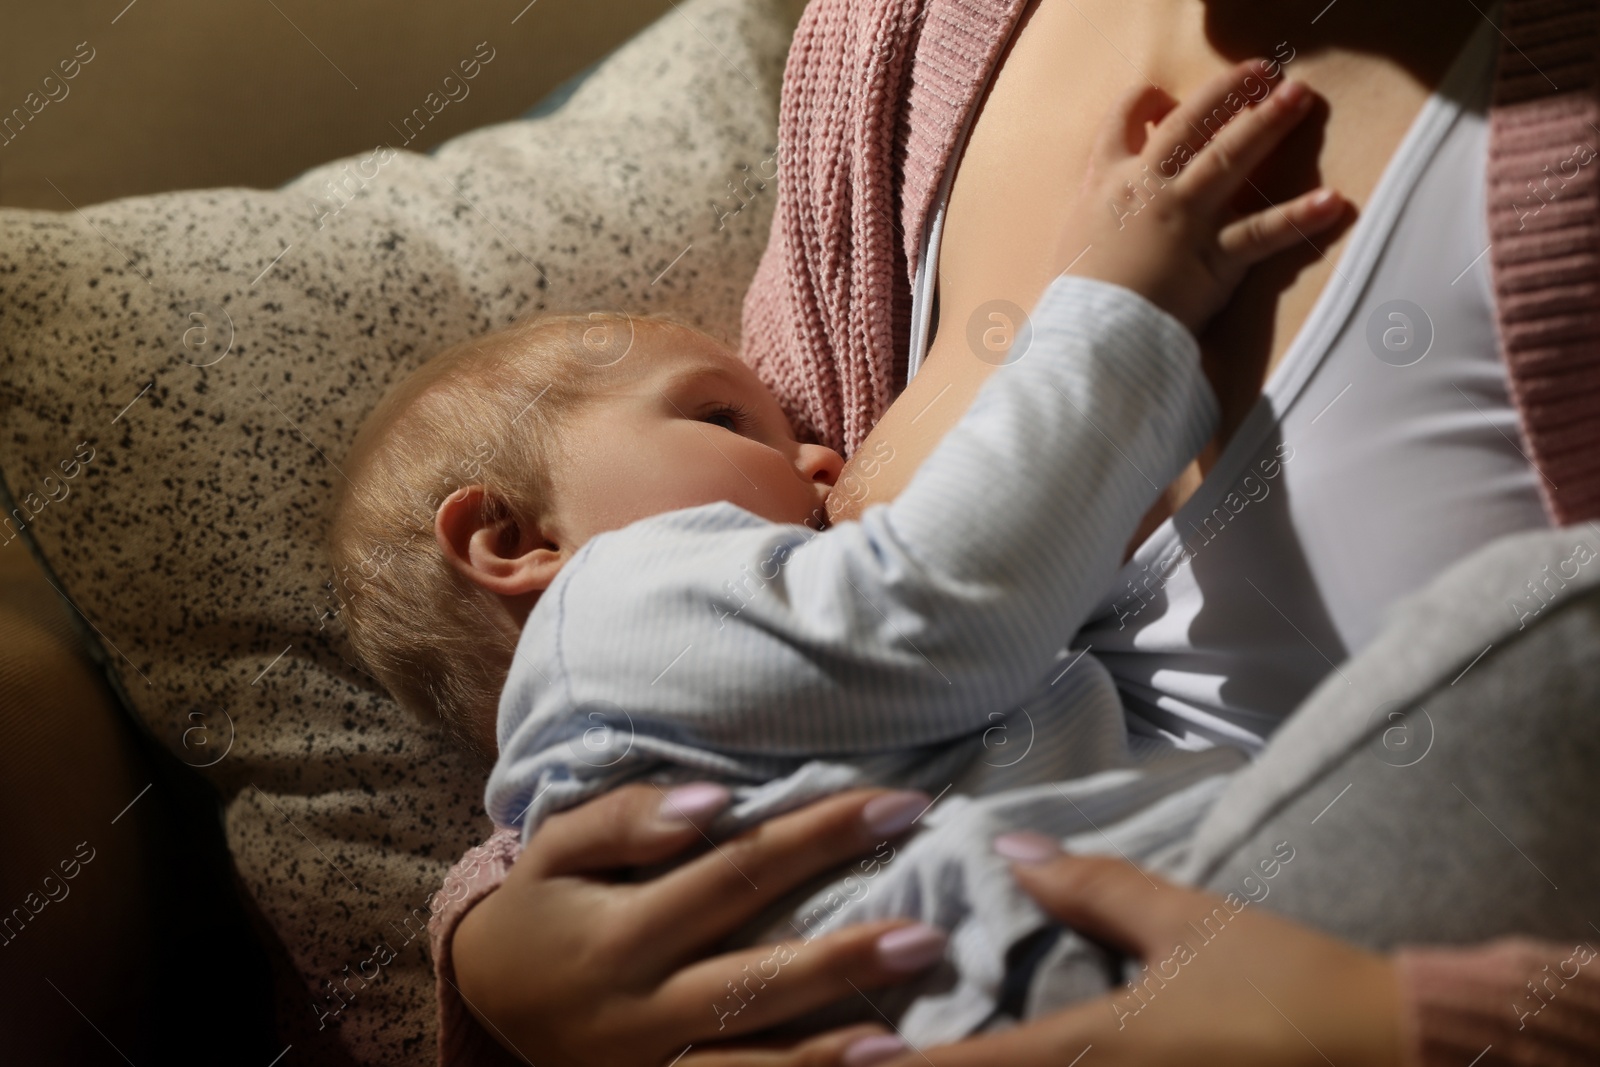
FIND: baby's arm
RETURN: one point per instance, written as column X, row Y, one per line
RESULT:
column 957, row 596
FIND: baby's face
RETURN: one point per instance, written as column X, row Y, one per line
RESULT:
column 681, row 422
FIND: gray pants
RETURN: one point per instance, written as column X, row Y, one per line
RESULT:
column 1444, row 786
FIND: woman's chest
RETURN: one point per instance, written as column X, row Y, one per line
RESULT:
column 1030, row 141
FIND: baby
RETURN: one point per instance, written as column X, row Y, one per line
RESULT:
column 593, row 547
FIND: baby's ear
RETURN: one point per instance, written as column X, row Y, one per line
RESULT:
column 491, row 547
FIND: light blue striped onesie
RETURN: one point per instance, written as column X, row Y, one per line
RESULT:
column 926, row 645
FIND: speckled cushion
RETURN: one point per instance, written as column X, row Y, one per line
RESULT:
column 180, row 376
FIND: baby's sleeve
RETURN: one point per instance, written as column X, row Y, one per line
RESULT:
column 999, row 548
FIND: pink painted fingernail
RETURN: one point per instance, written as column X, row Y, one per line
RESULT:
column 1323, row 200
column 894, row 813
column 691, row 803
column 1291, row 94
column 911, row 948
column 1027, row 847
column 866, row 1051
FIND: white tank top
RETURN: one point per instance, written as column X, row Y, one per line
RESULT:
column 1384, row 448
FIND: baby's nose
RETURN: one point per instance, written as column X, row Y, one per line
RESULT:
column 818, row 463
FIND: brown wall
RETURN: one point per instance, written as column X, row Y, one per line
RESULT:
column 190, row 94
column 184, row 94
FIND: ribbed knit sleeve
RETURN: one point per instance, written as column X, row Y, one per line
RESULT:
column 874, row 95
column 463, row 1042
column 1544, row 227
column 1507, row 1003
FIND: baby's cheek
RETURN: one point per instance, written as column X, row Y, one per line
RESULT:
column 777, row 495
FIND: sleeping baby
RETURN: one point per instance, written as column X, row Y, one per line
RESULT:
column 604, row 557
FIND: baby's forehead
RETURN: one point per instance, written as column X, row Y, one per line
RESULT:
column 667, row 351
column 669, row 340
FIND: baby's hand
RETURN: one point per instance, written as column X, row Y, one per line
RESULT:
column 1154, row 213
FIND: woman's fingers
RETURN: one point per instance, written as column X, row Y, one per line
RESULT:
column 852, row 1046
column 1106, row 899
column 749, row 990
column 1058, row 1040
column 1271, row 230
column 1224, row 164
column 633, row 826
column 745, row 874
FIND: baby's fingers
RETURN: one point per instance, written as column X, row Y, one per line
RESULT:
column 1222, row 166
column 1271, row 230
column 1204, row 113
column 1122, row 134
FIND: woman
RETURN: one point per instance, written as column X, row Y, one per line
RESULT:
column 1426, row 461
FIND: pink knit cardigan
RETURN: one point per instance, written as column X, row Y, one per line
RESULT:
column 875, row 94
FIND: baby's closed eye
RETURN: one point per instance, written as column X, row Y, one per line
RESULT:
column 730, row 417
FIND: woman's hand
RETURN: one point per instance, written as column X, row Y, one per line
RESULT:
column 1157, row 210
column 567, row 964
column 1261, row 991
